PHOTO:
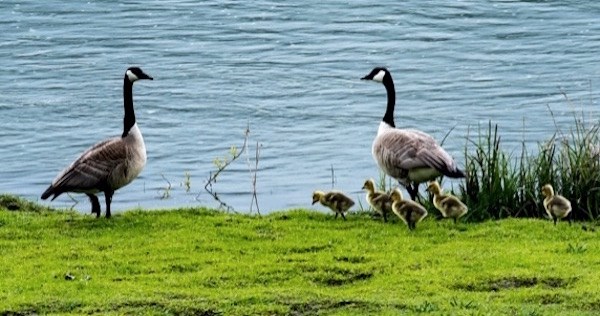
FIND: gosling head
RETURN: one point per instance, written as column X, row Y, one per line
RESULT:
column 135, row 73
column 369, row 185
column 317, row 196
column 396, row 195
column 547, row 190
column 434, row 187
column 378, row 74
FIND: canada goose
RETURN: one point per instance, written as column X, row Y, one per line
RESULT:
column 110, row 164
column 556, row 205
column 407, row 155
column 449, row 205
column 335, row 200
column 379, row 200
column 410, row 212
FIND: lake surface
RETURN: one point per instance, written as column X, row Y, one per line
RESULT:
column 290, row 71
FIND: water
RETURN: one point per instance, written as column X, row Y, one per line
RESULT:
column 288, row 70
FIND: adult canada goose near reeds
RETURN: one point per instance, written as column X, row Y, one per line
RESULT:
column 556, row 205
column 449, row 205
column 110, row 164
column 407, row 155
column 335, row 200
column 379, row 200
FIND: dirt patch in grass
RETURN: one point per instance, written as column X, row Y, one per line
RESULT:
column 307, row 249
column 325, row 306
column 495, row 285
column 352, row 259
column 336, row 276
column 13, row 203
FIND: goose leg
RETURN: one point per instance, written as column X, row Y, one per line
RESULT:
column 95, row 204
column 336, row 215
column 413, row 191
column 343, row 216
column 108, row 194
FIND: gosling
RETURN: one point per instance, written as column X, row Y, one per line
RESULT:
column 556, row 205
column 335, row 200
column 449, row 205
column 380, row 201
column 410, row 212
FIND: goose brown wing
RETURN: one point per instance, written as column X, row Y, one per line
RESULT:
column 93, row 167
column 409, row 149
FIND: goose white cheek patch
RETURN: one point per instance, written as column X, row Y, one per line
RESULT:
column 379, row 76
column 132, row 77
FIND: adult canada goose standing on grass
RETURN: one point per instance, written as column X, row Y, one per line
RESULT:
column 110, row 164
column 556, row 205
column 407, row 155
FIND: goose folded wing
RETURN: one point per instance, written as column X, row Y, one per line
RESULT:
column 436, row 157
column 407, row 149
column 93, row 167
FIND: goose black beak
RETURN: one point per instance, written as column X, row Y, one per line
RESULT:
column 365, row 78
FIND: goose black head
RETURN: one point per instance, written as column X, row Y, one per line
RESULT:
column 378, row 74
column 135, row 73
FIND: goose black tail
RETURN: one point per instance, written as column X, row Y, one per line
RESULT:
column 456, row 173
column 49, row 191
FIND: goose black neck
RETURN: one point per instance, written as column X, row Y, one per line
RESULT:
column 129, row 119
column 391, row 102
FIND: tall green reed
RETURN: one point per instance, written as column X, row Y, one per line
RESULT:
column 501, row 184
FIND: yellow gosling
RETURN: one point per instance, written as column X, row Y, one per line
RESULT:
column 449, row 205
column 380, row 201
column 335, row 200
column 556, row 205
column 410, row 212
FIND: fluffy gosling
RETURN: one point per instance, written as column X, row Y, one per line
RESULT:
column 410, row 212
column 335, row 200
column 380, row 201
column 449, row 205
column 556, row 205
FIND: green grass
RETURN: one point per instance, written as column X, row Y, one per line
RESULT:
column 204, row 262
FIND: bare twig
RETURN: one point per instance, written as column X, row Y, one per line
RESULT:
column 253, row 173
column 187, row 182
column 221, row 166
column 167, row 190
column 75, row 202
column 332, row 177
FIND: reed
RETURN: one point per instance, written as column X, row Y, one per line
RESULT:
column 500, row 184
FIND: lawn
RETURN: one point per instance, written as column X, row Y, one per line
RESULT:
column 296, row 262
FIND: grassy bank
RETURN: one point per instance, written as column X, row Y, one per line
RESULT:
column 203, row 262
